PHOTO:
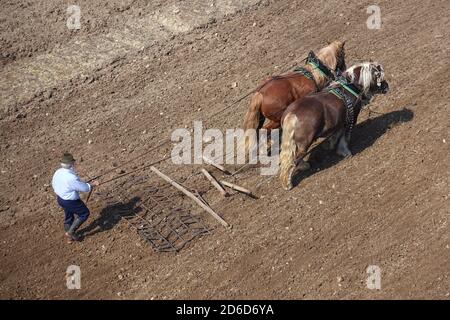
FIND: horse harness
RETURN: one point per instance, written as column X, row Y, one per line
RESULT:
column 313, row 61
column 346, row 91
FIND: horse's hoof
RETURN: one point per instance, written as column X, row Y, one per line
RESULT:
column 348, row 155
column 287, row 184
column 288, row 187
column 345, row 155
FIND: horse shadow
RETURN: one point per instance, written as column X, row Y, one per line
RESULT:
column 111, row 215
column 364, row 135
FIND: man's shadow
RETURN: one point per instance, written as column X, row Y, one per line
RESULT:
column 110, row 216
column 364, row 135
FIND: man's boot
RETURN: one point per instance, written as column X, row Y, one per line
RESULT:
column 66, row 227
column 73, row 228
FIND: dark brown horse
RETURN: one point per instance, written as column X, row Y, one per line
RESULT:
column 332, row 112
column 276, row 93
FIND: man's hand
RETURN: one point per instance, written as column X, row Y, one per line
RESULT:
column 95, row 183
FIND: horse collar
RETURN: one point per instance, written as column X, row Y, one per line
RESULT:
column 317, row 64
column 348, row 86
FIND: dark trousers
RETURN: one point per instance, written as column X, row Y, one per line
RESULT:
column 73, row 207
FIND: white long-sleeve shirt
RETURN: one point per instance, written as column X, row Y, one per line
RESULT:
column 67, row 185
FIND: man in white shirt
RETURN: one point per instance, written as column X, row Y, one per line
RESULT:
column 67, row 186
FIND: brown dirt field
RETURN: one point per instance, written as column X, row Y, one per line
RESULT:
column 388, row 205
column 32, row 27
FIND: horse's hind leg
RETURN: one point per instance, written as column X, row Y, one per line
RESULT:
column 261, row 121
column 300, row 163
column 297, row 138
column 269, row 126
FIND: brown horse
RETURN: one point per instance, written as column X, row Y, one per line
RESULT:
column 276, row 93
column 332, row 112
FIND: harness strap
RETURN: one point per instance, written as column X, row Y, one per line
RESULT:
column 318, row 65
column 304, row 72
column 307, row 74
column 336, row 92
column 344, row 93
column 350, row 87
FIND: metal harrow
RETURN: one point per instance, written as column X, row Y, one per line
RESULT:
column 157, row 218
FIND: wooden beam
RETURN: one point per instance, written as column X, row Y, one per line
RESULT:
column 237, row 188
column 214, row 182
column 192, row 196
column 218, row 166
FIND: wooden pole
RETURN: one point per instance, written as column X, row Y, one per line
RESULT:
column 218, row 166
column 214, row 182
column 192, row 196
column 89, row 195
column 237, row 188
column 90, row 179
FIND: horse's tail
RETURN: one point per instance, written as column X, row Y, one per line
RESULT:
column 288, row 151
column 252, row 119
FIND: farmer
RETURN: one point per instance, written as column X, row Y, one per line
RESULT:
column 67, row 186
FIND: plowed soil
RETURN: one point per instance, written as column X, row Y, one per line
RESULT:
column 388, row 205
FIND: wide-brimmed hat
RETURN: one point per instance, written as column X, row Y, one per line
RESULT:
column 67, row 158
